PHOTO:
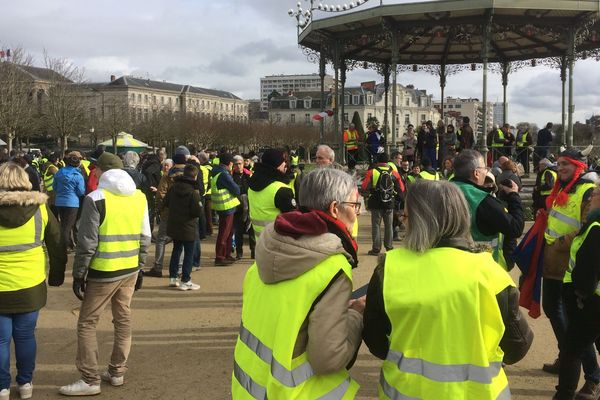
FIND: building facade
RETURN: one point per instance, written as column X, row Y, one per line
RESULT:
column 289, row 84
column 361, row 103
column 470, row 107
column 499, row 113
column 143, row 97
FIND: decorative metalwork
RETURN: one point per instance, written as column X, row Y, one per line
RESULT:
column 304, row 17
column 311, row 55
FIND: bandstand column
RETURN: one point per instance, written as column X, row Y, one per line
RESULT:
column 505, row 72
column 442, row 88
column 386, row 89
column 485, row 51
column 342, row 100
column 322, row 62
column 395, row 57
column 563, row 79
column 571, row 62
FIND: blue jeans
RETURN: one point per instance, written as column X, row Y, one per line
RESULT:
column 431, row 154
column 21, row 328
column 188, row 259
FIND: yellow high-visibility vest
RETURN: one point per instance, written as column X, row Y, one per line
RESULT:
column 446, row 326
column 551, row 172
column 565, row 219
column 49, row 177
column 206, row 178
column 264, row 362
column 575, row 246
column 120, row 232
column 262, row 206
column 429, row 176
column 221, row 199
column 501, row 137
column 22, row 256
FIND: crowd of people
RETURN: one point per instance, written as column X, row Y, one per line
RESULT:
column 461, row 221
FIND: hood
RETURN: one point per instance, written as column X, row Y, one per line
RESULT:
column 183, row 186
column 117, row 182
column 16, row 208
column 176, row 170
column 297, row 242
column 217, row 169
column 280, row 257
column 264, row 175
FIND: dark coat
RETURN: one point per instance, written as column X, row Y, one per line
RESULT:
column 263, row 176
column 183, row 201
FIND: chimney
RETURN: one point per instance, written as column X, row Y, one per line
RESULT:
column 112, row 78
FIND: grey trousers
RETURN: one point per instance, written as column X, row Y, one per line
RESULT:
column 161, row 242
column 388, row 229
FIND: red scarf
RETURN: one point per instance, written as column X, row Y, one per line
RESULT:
column 560, row 196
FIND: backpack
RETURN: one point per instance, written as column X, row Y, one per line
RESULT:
column 385, row 185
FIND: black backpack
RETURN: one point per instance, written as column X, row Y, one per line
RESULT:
column 385, row 185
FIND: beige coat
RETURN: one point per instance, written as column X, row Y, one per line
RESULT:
column 331, row 334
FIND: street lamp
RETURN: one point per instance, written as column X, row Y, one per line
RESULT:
column 91, row 134
column 304, row 17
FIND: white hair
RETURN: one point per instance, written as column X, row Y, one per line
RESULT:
column 323, row 186
column 131, row 159
column 238, row 158
column 328, row 150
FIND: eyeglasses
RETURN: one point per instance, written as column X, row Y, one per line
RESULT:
column 356, row 205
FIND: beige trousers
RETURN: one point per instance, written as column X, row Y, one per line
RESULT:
column 97, row 297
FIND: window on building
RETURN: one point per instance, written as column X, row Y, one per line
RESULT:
column 423, row 117
column 370, row 100
column 170, row 101
column 162, row 100
column 145, row 99
column 345, row 117
column 458, row 106
column 307, row 119
column 139, row 98
column 277, row 117
column 133, row 97
column 397, row 119
column 450, row 106
column 407, row 102
column 293, row 118
column 292, row 104
column 406, row 119
column 146, row 114
column 355, row 99
column 308, row 103
column 369, row 116
column 177, row 101
column 346, row 99
column 92, row 114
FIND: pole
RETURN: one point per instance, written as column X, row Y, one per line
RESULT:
column 342, row 99
column 442, row 88
column 563, row 78
column 395, row 57
column 322, row 76
column 386, row 88
column 505, row 72
column 336, row 93
column 571, row 59
column 486, row 42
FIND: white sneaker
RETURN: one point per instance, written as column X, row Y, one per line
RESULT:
column 4, row 394
column 197, row 268
column 79, row 388
column 113, row 380
column 173, row 282
column 26, row 391
column 189, row 285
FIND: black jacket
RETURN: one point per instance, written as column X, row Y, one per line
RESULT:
column 586, row 273
column 141, row 182
column 515, row 343
column 183, row 201
column 263, row 176
column 152, row 170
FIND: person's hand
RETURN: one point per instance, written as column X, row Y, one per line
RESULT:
column 514, row 188
column 358, row 304
column 79, row 288
column 153, row 189
column 56, row 280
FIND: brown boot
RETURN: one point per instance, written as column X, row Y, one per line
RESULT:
column 589, row 391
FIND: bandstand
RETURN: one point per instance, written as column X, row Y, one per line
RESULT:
column 448, row 36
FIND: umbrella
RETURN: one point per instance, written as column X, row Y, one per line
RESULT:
column 125, row 140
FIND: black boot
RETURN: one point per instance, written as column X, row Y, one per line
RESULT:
column 552, row 368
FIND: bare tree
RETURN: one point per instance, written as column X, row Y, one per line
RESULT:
column 16, row 96
column 116, row 120
column 64, row 112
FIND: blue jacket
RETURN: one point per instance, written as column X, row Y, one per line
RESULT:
column 225, row 181
column 68, row 187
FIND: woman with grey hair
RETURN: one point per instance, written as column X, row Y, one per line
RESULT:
column 296, row 299
column 131, row 159
column 442, row 317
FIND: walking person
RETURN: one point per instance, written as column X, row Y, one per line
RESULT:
column 300, row 331
column 26, row 225
column 183, row 202
column 69, row 188
column 241, row 218
column 581, row 295
column 384, row 186
column 114, row 237
column 442, row 318
column 225, row 200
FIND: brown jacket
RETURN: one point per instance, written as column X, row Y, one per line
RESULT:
column 331, row 334
column 165, row 183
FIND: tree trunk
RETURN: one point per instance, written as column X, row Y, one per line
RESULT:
column 63, row 144
column 9, row 139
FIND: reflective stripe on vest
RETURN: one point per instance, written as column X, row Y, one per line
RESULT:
column 221, row 199
column 501, row 137
column 449, row 346
column 264, row 365
column 351, row 139
column 563, row 220
column 262, row 206
column 22, row 255
column 120, row 232
column 575, row 246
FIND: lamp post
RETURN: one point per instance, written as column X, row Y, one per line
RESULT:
column 91, row 135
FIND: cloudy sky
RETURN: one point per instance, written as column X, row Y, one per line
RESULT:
column 230, row 44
